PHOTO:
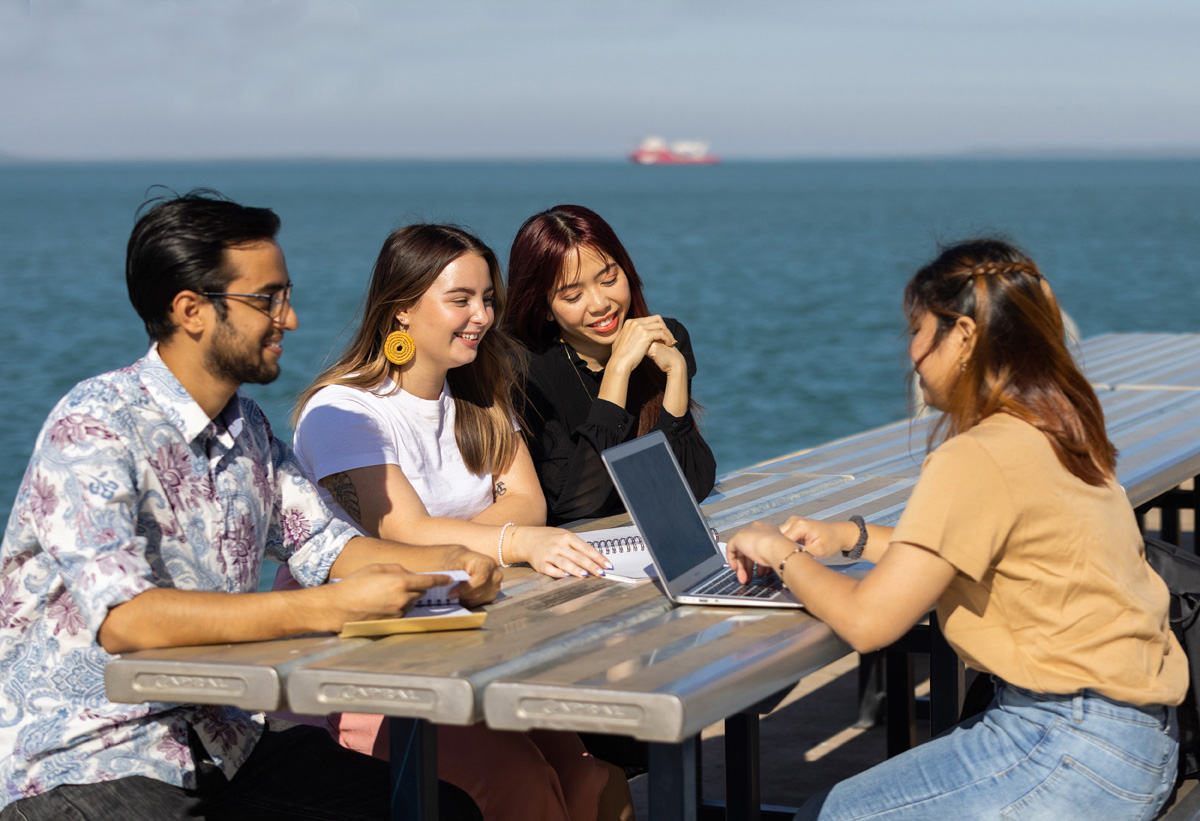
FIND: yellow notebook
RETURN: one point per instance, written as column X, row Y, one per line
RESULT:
column 462, row 619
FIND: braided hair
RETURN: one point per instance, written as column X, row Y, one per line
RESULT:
column 1020, row 363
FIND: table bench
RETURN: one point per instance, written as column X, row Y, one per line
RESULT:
column 597, row 655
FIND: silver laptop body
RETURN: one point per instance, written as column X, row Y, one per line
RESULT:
column 685, row 553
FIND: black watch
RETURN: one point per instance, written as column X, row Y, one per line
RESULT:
column 857, row 551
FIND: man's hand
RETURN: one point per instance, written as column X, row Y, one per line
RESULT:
column 364, row 551
column 377, row 591
column 166, row 617
column 485, row 574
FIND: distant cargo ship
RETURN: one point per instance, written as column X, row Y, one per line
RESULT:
column 657, row 151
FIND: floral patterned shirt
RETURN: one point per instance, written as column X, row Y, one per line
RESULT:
column 132, row 486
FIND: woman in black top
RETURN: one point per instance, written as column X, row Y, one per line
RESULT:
column 602, row 368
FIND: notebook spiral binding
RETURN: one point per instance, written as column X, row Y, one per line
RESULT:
column 628, row 544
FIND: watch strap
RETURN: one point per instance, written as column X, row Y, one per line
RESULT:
column 857, row 551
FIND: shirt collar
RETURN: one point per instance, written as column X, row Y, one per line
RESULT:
column 178, row 406
column 575, row 359
column 388, row 387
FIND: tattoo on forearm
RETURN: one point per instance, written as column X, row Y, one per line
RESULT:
column 499, row 491
column 345, row 494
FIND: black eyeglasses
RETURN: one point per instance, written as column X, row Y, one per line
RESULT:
column 277, row 303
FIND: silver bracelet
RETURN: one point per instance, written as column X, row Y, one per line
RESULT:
column 500, row 545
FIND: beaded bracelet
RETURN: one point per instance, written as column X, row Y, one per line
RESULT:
column 788, row 556
column 500, row 545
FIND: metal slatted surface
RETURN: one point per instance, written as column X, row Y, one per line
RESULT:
column 1146, row 360
column 878, row 499
column 1148, row 385
column 248, row 675
column 668, row 677
column 598, row 655
column 1159, row 449
column 893, row 450
column 441, row 676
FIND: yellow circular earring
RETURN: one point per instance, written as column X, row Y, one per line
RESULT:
column 399, row 347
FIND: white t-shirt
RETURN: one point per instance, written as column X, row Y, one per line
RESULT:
column 343, row 428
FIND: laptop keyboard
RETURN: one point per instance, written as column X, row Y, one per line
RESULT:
column 726, row 583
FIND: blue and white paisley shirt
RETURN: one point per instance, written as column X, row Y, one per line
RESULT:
column 131, row 486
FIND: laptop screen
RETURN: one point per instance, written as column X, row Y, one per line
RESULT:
column 661, row 503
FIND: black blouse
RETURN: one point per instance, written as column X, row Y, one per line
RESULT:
column 567, row 428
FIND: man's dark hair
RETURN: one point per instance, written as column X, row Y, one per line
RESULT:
column 179, row 245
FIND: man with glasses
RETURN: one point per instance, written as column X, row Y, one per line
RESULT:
column 278, row 306
column 151, row 497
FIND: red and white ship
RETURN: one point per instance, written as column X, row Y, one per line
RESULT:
column 657, row 151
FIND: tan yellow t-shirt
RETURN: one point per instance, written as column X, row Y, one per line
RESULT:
column 1053, row 592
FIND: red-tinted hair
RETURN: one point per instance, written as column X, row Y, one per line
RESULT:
column 1020, row 363
column 536, row 266
column 536, row 262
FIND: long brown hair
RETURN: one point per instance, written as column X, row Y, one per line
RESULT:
column 536, row 264
column 411, row 260
column 1020, row 363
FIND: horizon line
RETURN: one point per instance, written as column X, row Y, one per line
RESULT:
column 1163, row 153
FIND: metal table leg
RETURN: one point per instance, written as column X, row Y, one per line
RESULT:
column 900, row 706
column 414, row 769
column 742, row 798
column 673, row 782
column 946, row 681
column 743, row 775
column 870, row 689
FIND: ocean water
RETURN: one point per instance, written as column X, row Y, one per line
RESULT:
column 787, row 274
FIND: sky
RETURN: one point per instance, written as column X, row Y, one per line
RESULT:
column 215, row 79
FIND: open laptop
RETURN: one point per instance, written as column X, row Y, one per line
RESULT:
column 683, row 548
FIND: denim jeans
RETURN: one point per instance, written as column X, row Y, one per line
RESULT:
column 1027, row 756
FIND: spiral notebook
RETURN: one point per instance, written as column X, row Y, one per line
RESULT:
column 624, row 547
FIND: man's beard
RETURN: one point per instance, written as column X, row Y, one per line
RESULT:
column 231, row 357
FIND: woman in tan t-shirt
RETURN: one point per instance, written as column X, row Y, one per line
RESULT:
column 1018, row 533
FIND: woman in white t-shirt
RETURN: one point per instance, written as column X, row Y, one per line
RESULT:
column 410, row 435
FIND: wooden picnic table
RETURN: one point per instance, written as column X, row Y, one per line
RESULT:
column 602, row 656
